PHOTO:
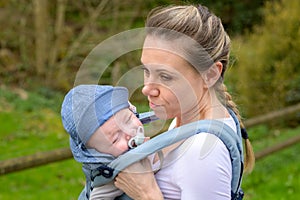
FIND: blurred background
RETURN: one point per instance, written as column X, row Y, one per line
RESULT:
column 43, row 44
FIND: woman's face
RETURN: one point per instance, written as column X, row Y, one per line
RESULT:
column 113, row 136
column 173, row 87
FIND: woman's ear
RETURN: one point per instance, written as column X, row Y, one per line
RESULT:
column 212, row 75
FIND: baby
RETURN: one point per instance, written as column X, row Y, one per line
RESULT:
column 102, row 126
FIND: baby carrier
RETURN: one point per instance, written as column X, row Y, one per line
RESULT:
column 233, row 142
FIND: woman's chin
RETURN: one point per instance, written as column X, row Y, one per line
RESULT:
column 161, row 115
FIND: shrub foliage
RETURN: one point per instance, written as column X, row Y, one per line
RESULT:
column 266, row 71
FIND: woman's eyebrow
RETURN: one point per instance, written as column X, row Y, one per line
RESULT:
column 159, row 68
column 142, row 66
column 164, row 70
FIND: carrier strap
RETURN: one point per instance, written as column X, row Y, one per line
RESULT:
column 231, row 140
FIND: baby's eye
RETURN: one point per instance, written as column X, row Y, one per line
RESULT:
column 115, row 141
column 116, row 138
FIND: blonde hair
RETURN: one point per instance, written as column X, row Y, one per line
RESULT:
column 199, row 24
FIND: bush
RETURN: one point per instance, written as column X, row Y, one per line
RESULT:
column 266, row 70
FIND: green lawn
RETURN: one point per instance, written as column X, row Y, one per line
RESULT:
column 33, row 125
column 275, row 177
column 62, row 180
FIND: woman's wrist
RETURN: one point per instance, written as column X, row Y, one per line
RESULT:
column 153, row 193
column 153, row 196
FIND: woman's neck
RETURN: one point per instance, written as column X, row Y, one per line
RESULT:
column 209, row 107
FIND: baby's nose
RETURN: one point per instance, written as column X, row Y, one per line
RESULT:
column 128, row 137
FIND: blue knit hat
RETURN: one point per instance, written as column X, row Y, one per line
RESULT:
column 84, row 109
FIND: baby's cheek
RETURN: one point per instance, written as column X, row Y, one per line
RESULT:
column 123, row 146
column 126, row 147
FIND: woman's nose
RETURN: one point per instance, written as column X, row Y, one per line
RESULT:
column 150, row 90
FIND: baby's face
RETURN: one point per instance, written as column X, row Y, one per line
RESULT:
column 113, row 136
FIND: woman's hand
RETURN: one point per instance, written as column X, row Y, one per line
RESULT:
column 138, row 181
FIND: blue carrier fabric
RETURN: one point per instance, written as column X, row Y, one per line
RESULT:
column 233, row 142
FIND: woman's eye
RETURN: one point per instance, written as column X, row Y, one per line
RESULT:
column 165, row 77
column 146, row 71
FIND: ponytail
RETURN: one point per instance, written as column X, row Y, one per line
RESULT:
column 226, row 99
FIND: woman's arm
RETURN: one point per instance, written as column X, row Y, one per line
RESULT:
column 138, row 182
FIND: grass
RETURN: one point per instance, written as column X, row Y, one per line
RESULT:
column 275, row 176
column 62, row 180
column 33, row 125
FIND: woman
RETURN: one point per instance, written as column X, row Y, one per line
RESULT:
column 185, row 56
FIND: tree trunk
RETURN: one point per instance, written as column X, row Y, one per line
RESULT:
column 58, row 31
column 73, row 48
column 41, row 35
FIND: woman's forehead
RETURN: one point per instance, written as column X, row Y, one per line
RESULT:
column 161, row 45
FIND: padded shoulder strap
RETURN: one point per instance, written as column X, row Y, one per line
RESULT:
column 218, row 128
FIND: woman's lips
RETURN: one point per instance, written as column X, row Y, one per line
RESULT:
column 152, row 105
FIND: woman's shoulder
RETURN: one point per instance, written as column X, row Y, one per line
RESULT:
column 204, row 145
column 207, row 144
